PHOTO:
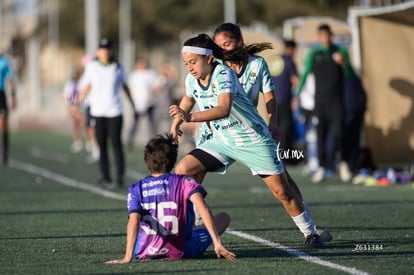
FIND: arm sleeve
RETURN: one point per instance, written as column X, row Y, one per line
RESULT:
column 122, row 75
column 191, row 187
column 226, row 81
column 308, row 69
column 134, row 200
column 267, row 81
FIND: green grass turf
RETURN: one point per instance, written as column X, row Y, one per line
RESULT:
column 48, row 228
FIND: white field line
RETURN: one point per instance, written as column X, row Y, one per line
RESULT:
column 54, row 156
column 64, row 180
column 30, row 168
column 297, row 253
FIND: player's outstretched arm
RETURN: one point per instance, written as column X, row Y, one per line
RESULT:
column 205, row 213
column 132, row 231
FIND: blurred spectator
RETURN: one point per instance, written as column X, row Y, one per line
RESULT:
column 103, row 79
column 285, row 76
column 71, row 93
column 355, row 101
column 79, row 113
column 144, row 85
column 6, row 79
column 308, row 118
column 329, row 63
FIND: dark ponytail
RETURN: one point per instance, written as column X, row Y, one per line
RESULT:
column 242, row 51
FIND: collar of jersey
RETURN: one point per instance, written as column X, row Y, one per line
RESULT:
column 209, row 81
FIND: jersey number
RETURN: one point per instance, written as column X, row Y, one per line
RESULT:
column 160, row 226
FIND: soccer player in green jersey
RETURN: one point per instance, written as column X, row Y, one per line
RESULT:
column 238, row 131
column 254, row 76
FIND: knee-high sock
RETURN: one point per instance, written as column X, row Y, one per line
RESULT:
column 304, row 223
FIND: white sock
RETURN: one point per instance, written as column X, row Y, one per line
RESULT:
column 304, row 223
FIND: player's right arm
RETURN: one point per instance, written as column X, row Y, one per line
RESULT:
column 205, row 213
column 132, row 232
column 221, row 110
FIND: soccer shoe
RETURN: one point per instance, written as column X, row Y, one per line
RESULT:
column 313, row 241
column 76, row 147
column 105, row 183
column 94, row 156
column 324, row 235
column 319, row 175
column 88, row 146
column 344, row 172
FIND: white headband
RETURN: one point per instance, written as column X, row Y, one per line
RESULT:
column 196, row 50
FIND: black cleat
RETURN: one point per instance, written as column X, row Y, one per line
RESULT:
column 104, row 183
column 313, row 242
column 324, row 234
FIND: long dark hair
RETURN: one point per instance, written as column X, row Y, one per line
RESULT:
column 242, row 51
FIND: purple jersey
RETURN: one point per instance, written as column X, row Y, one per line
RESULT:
column 166, row 214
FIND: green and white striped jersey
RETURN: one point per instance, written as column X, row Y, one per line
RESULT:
column 255, row 77
column 244, row 125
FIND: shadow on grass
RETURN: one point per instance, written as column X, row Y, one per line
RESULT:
column 170, row 271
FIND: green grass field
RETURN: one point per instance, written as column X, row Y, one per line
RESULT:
column 48, row 227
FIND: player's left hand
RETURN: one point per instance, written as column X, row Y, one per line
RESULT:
column 221, row 251
column 120, row 261
column 177, row 112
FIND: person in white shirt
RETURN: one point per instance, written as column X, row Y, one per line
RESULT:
column 144, row 84
column 102, row 80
